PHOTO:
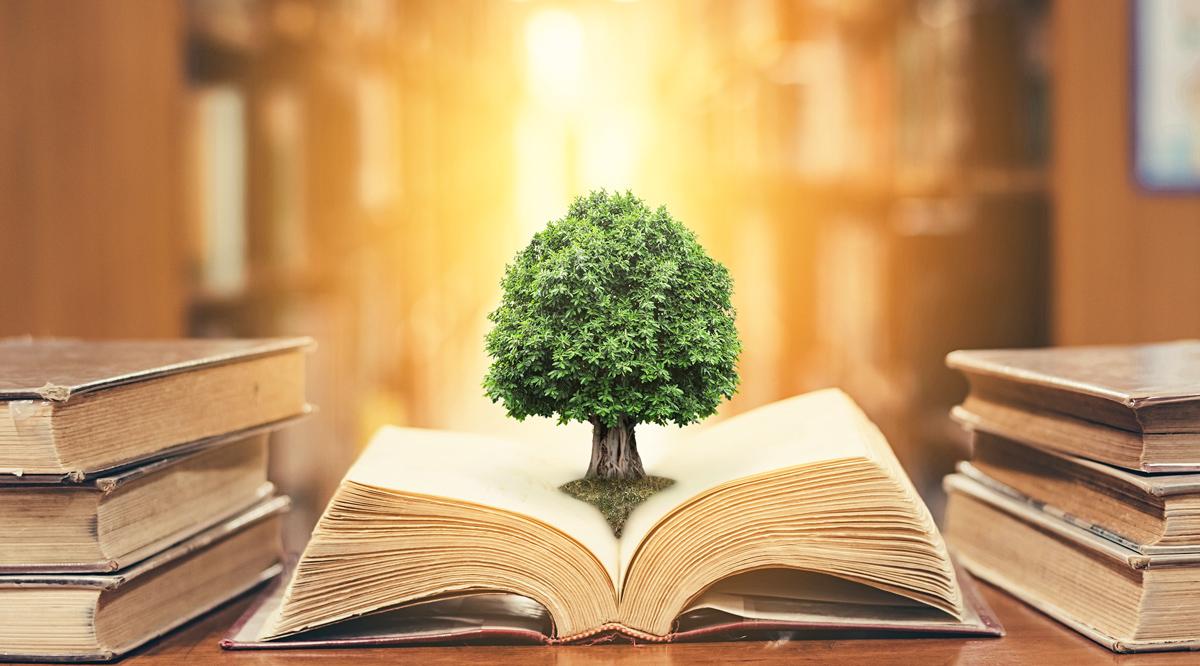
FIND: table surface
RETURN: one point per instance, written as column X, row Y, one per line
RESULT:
column 1032, row 639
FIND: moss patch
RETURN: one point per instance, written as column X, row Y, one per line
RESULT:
column 616, row 498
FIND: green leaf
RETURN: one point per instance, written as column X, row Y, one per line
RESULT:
column 614, row 310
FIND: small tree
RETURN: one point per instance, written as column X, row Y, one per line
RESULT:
column 617, row 316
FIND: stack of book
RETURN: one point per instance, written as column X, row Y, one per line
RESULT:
column 1082, row 496
column 133, row 486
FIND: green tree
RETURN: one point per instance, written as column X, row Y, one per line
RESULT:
column 617, row 316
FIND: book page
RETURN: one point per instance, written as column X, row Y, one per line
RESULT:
column 521, row 477
column 524, row 476
column 818, row 426
column 794, row 584
column 782, row 595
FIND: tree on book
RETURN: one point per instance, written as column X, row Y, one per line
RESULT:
column 614, row 315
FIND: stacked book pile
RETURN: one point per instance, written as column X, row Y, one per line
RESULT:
column 133, row 486
column 1082, row 496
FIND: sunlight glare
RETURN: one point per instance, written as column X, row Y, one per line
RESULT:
column 555, row 50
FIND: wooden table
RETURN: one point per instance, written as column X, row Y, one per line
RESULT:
column 1032, row 639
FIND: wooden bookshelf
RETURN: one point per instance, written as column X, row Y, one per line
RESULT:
column 778, row 130
column 89, row 170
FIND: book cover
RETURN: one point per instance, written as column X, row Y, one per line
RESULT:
column 73, row 408
column 1147, row 388
column 62, row 369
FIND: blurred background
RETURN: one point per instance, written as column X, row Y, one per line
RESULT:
column 887, row 180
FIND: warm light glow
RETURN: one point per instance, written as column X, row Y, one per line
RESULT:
column 555, row 55
column 580, row 125
column 541, row 164
column 608, row 151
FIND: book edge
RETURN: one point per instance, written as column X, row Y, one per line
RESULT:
column 127, row 470
column 967, row 362
column 987, row 626
column 266, row 575
column 1083, row 538
column 63, row 393
column 110, row 581
column 118, row 562
column 1161, row 486
column 1111, row 642
column 1177, row 552
column 971, row 421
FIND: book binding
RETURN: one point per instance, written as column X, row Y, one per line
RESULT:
column 244, row 633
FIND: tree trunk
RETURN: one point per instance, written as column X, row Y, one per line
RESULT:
column 614, row 451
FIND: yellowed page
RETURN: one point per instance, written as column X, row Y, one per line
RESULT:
column 522, row 477
column 800, row 585
column 797, row 431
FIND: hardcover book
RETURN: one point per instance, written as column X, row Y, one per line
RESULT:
column 1122, row 599
column 794, row 515
column 72, row 408
column 109, row 522
column 1152, row 514
column 1136, row 407
column 98, row 617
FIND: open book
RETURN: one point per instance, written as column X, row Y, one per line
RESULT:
column 797, row 512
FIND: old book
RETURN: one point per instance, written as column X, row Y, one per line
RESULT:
column 110, row 522
column 1122, row 599
column 1149, row 513
column 1136, row 407
column 74, row 408
column 99, row 617
column 497, row 618
column 796, row 514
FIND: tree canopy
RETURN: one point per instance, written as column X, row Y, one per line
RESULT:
column 614, row 314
